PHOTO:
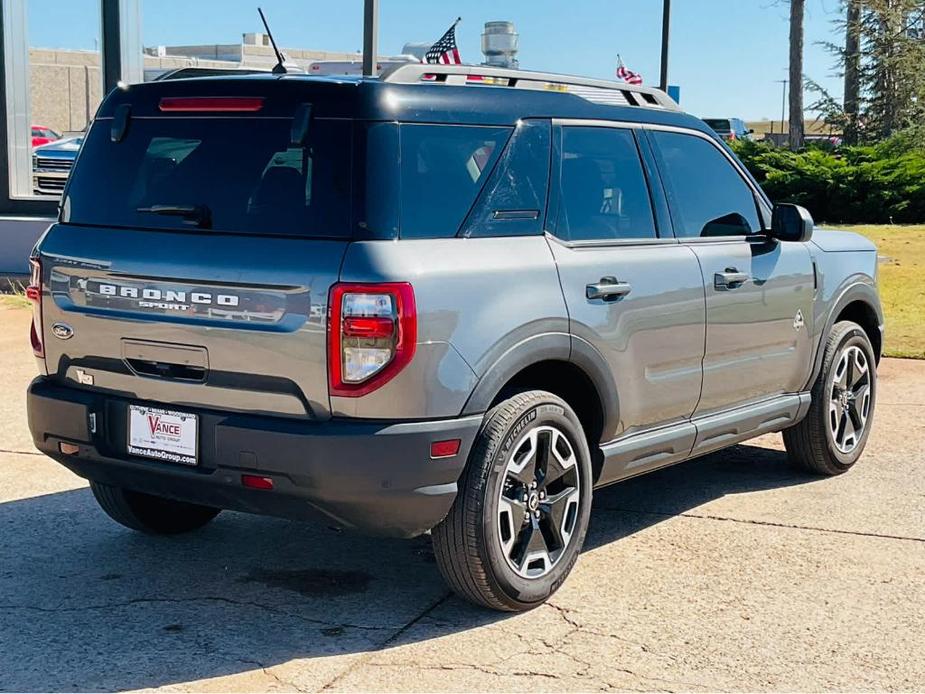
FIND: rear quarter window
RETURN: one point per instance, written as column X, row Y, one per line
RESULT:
column 443, row 169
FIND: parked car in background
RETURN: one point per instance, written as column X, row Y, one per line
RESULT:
column 730, row 128
column 42, row 135
column 51, row 165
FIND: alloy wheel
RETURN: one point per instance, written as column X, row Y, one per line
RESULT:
column 849, row 402
column 539, row 500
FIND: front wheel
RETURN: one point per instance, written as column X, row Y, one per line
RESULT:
column 832, row 436
column 520, row 519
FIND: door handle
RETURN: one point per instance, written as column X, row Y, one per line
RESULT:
column 731, row 278
column 608, row 289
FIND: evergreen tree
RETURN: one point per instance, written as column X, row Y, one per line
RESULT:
column 883, row 62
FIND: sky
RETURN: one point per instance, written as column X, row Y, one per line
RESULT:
column 726, row 55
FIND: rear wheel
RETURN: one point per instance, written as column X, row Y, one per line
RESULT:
column 832, row 436
column 520, row 519
column 150, row 514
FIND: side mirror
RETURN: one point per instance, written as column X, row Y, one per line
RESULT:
column 791, row 223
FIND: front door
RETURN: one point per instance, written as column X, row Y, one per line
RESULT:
column 759, row 292
column 635, row 297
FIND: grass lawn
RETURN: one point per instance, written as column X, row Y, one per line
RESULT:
column 902, row 285
column 14, row 301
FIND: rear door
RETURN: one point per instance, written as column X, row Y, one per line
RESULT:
column 635, row 296
column 194, row 257
column 759, row 292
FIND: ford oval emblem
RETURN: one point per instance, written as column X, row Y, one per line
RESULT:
column 62, row 331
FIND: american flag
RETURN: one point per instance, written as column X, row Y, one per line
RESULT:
column 445, row 51
column 627, row 75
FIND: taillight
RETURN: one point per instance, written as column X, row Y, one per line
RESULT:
column 34, row 294
column 372, row 334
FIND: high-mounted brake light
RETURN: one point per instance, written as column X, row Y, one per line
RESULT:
column 372, row 335
column 34, row 294
column 211, row 104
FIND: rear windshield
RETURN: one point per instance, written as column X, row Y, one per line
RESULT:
column 719, row 124
column 226, row 174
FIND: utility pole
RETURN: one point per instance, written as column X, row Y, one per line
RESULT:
column 370, row 36
column 783, row 104
column 666, row 26
column 797, row 10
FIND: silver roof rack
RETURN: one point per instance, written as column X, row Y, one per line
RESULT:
column 595, row 90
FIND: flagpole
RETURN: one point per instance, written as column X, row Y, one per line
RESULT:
column 370, row 36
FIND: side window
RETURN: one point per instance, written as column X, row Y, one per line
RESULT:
column 443, row 168
column 707, row 195
column 514, row 199
column 602, row 188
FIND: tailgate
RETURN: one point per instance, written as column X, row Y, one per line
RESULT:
column 224, row 321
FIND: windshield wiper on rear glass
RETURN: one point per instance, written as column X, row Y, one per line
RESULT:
column 200, row 215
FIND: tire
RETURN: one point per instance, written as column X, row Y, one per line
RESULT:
column 149, row 514
column 490, row 547
column 822, row 442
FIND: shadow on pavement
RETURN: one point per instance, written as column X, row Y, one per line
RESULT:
column 674, row 490
column 88, row 605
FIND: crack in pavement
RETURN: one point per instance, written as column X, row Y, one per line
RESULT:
column 203, row 598
column 385, row 644
column 577, row 627
column 269, row 673
column 15, row 452
column 772, row 524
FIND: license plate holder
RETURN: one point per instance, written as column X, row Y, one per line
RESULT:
column 165, row 435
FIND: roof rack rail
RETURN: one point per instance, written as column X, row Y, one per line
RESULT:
column 182, row 73
column 596, row 90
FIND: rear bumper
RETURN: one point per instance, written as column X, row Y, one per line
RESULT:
column 376, row 477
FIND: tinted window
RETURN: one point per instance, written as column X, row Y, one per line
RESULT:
column 719, row 124
column 443, row 168
column 707, row 195
column 602, row 187
column 514, row 199
column 241, row 173
column 379, row 191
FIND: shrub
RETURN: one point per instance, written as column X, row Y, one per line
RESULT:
column 882, row 183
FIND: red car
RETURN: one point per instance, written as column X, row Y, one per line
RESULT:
column 42, row 135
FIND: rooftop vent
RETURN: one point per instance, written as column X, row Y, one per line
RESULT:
column 499, row 44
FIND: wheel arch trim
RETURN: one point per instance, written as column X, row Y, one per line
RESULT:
column 549, row 347
column 858, row 291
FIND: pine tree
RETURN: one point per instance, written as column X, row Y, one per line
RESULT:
column 883, row 62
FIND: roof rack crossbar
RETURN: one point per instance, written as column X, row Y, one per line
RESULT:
column 421, row 73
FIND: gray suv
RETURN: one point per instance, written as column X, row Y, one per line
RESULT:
column 451, row 299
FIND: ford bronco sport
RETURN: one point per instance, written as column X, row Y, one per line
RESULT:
column 450, row 299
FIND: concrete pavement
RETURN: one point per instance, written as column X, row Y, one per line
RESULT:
column 730, row 572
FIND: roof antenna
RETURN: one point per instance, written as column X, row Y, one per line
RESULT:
column 279, row 68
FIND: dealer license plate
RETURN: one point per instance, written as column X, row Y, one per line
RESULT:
column 162, row 434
